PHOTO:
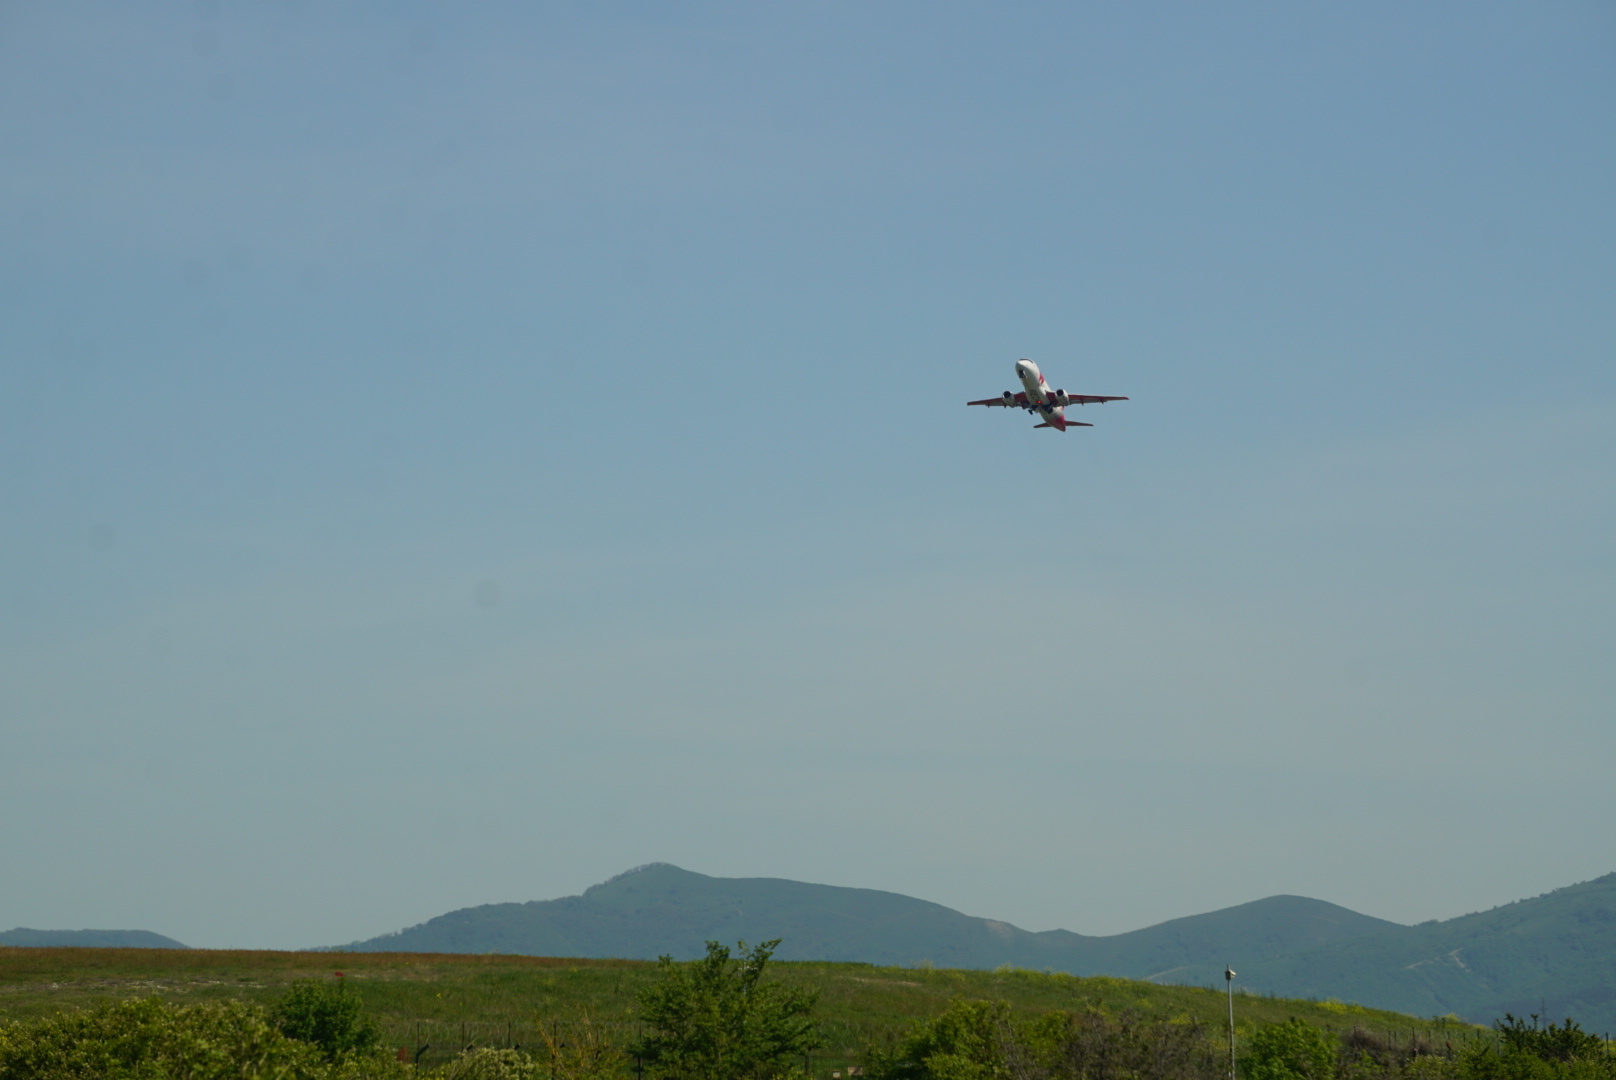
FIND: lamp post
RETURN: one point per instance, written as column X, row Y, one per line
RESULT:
column 1228, row 977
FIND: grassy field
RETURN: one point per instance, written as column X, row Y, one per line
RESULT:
column 452, row 1000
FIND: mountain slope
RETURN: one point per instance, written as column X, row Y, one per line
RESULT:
column 87, row 939
column 1195, row 949
column 1556, row 952
column 661, row 909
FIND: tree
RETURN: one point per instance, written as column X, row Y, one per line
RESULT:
column 330, row 1017
column 716, row 1019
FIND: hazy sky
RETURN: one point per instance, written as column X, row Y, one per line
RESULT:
column 454, row 453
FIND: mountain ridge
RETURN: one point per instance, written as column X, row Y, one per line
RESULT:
column 661, row 909
column 1552, row 951
column 24, row 938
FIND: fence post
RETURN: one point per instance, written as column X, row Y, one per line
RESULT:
column 1228, row 977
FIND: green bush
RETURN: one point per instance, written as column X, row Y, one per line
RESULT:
column 718, row 1019
column 1530, row 1052
column 1094, row 1045
column 1552, row 1043
column 486, row 1063
column 328, row 1016
column 970, row 1041
column 148, row 1040
column 1294, row 1050
column 980, row 1040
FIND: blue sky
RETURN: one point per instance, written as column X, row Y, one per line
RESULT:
column 452, row 454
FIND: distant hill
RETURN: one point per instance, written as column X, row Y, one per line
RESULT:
column 87, row 939
column 661, row 909
column 1555, row 952
column 1194, row 950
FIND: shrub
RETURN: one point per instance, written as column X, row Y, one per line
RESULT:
column 1095, row 1046
column 588, row 1055
column 147, row 1040
column 979, row 1040
column 1369, row 1055
column 1294, row 1050
column 1530, row 1052
column 717, row 1019
column 1552, row 1043
column 328, row 1016
column 486, row 1063
column 971, row 1040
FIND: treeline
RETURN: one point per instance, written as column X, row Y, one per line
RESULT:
column 720, row 1018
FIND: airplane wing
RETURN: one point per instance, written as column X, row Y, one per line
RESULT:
column 1020, row 400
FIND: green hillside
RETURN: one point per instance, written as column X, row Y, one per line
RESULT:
column 87, row 939
column 1556, row 952
column 662, row 910
column 448, row 1001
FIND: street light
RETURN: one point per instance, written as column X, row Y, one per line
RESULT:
column 1228, row 977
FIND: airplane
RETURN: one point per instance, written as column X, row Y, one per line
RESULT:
column 1040, row 399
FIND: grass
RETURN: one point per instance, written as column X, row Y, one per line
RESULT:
column 450, row 1000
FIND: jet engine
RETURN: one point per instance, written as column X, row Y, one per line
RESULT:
column 1008, row 397
column 1060, row 396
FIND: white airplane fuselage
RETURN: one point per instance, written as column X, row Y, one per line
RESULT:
column 1042, row 398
